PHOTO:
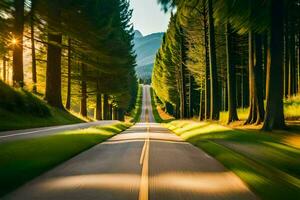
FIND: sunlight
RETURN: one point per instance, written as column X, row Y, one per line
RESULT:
column 202, row 182
column 94, row 181
column 14, row 41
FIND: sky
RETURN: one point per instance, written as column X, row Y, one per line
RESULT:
column 148, row 17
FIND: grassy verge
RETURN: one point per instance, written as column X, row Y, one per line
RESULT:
column 159, row 116
column 268, row 166
column 23, row 160
column 138, row 106
column 20, row 109
column 291, row 110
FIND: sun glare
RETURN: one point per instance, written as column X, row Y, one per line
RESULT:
column 14, row 41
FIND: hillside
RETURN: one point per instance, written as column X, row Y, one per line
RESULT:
column 20, row 109
column 146, row 48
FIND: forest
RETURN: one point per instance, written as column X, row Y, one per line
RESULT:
column 225, row 56
column 76, row 55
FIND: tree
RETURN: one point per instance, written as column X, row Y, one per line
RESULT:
column 232, row 107
column 68, row 101
column 214, row 105
column 274, row 117
column 33, row 49
column 17, row 41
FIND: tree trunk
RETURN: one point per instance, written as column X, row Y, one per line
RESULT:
column 265, row 56
column 292, row 62
column 53, row 71
column 214, row 92
column 4, row 69
column 286, row 57
column 33, row 57
column 207, row 67
column 252, row 111
column 121, row 114
column 299, row 62
column 68, row 101
column 98, row 112
column 183, row 100
column 274, row 118
column 83, row 102
column 256, row 112
column 202, row 104
column 114, row 113
column 105, row 107
column 190, row 108
column 231, row 78
column 18, row 74
column 258, row 71
column 110, row 111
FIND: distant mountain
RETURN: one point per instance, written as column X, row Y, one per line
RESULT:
column 137, row 34
column 146, row 48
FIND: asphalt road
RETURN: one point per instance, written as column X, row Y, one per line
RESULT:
column 144, row 162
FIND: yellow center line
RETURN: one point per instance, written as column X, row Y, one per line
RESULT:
column 144, row 161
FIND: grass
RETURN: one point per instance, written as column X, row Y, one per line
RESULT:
column 242, row 113
column 15, row 121
column 138, row 106
column 159, row 115
column 265, row 162
column 20, row 109
column 23, row 160
column 291, row 110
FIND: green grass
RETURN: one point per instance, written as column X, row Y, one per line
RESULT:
column 23, row 160
column 138, row 106
column 292, row 107
column 270, row 168
column 20, row 109
column 15, row 120
column 242, row 113
column 291, row 110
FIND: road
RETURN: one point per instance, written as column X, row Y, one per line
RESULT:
column 37, row 132
column 144, row 162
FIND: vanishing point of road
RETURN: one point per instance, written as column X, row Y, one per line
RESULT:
column 144, row 162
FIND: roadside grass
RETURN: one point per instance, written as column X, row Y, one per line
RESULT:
column 264, row 161
column 20, row 109
column 291, row 110
column 136, row 115
column 159, row 115
column 242, row 114
column 23, row 160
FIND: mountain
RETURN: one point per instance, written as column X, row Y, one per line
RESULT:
column 137, row 34
column 146, row 48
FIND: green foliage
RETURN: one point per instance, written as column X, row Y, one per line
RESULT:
column 166, row 66
column 22, row 101
column 101, row 36
column 15, row 120
column 19, row 109
column 25, row 159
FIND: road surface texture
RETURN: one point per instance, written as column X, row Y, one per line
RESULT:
column 144, row 162
column 37, row 132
